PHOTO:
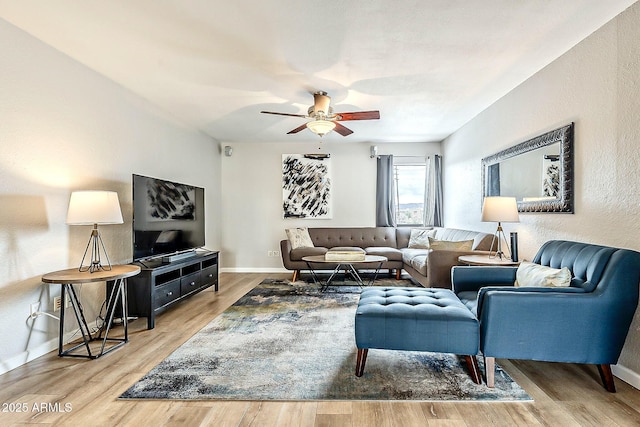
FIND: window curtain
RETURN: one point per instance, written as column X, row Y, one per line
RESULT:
column 385, row 199
column 433, row 203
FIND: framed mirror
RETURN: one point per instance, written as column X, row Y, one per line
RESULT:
column 537, row 172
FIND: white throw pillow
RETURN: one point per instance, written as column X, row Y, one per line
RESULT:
column 535, row 275
column 419, row 238
column 299, row 238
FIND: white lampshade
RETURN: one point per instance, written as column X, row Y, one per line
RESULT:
column 321, row 127
column 500, row 209
column 94, row 207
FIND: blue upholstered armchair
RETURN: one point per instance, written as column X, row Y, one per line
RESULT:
column 586, row 322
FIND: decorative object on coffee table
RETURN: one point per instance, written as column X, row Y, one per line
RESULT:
column 341, row 253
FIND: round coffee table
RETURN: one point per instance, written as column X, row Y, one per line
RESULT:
column 376, row 262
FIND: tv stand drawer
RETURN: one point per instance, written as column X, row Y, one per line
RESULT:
column 190, row 283
column 167, row 293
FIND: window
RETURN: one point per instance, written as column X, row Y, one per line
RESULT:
column 410, row 178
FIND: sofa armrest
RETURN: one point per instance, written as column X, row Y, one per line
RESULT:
column 516, row 321
column 285, row 253
column 439, row 264
column 472, row 278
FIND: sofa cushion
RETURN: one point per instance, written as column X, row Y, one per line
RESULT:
column 297, row 254
column 362, row 237
column 392, row 254
column 419, row 238
column 447, row 245
column 408, row 254
column 299, row 237
column 419, row 263
column 535, row 275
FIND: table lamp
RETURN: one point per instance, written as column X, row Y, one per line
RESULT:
column 94, row 207
column 499, row 209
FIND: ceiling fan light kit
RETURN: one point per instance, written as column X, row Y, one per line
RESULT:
column 321, row 127
column 323, row 119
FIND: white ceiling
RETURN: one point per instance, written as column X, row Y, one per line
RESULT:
column 429, row 66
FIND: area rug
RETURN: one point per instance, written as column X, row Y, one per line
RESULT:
column 288, row 341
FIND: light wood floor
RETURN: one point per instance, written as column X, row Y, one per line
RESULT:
column 565, row 395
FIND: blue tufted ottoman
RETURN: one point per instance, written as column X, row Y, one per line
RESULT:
column 416, row 319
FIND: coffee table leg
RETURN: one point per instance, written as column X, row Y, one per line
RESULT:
column 375, row 275
column 316, row 280
column 333, row 275
column 354, row 273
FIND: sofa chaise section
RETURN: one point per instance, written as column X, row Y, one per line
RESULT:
column 432, row 268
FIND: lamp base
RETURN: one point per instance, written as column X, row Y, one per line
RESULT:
column 498, row 238
column 95, row 242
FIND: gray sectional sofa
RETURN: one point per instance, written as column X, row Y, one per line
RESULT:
column 430, row 268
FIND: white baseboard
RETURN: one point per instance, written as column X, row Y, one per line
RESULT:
column 38, row 351
column 254, row 270
column 627, row 375
column 28, row 355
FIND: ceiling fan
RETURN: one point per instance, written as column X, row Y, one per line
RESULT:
column 324, row 120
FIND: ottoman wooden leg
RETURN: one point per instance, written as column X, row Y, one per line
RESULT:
column 361, row 359
column 474, row 369
column 490, row 370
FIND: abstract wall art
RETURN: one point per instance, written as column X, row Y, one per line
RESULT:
column 306, row 186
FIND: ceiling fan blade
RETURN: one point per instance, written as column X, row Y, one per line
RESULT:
column 284, row 114
column 298, row 129
column 342, row 130
column 359, row 115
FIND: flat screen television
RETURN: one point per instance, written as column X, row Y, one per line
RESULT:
column 168, row 217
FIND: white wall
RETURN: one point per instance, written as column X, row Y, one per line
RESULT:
column 596, row 86
column 67, row 128
column 252, row 221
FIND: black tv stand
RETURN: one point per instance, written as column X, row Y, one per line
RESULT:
column 161, row 285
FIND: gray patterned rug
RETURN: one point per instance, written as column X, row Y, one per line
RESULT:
column 287, row 341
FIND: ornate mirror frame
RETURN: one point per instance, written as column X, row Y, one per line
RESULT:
column 564, row 201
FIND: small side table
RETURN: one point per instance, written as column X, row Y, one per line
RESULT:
column 70, row 277
column 485, row 260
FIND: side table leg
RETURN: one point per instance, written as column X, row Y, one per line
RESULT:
column 63, row 295
column 116, row 292
column 82, row 323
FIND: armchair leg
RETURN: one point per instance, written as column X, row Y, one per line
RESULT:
column 474, row 370
column 490, row 370
column 361, row 360
column 296, row 275
column 607, row 377
column 398, row 273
